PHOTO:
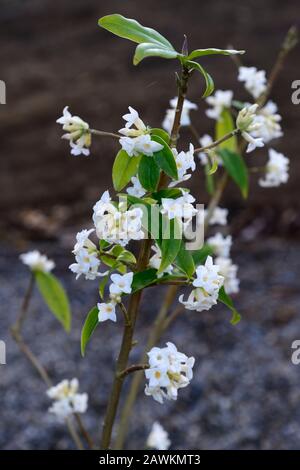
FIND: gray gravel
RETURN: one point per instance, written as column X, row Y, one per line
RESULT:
column 245, row 393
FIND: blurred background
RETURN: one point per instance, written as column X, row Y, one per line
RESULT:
column 246, row 392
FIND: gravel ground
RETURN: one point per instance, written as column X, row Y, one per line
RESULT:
column 245, row 393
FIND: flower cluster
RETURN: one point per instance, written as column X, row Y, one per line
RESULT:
column 185, row 115
column 184, row 162
column 220, row 100
column 86, row 257
column 158, row 438
column 137, row 140
column 249, row 126
column 180, row 208
column 67, row 400
column 121, row 284
column 255, row 80
column 116, row 225
column 276, row 170
column 169, row 370
column 208, row 282
column 37, row 262
column 218, row 216
column 78, row 132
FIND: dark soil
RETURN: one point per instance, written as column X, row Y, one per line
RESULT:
column 245, row 393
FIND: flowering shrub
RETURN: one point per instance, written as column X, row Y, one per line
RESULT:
column 158, row 213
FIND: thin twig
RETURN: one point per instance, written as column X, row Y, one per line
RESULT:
column 218, row 142
column 134, row 368
column 105, row 134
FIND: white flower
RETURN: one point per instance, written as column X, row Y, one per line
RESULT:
column 121, row 284
column 133, row 120
column 220, row 244
column 184, row 162
column 219, row 216
column 66, row 399
column 229, row 271
column 78, row 132
column 199, row 300
column 185, row 115
column 155, row 261
column 181, row 207
column 114, row 225
column 269, row 123
column 208, row 277
column 276, row 170
column 141, row 145
column 168, row 371
column 107, row 311
column 86, row 257
column 158, row 438
column 36, row 261
column 137, row 189
column 208, row 283
column 247, row 122
column 220, row 100
column 255, row 80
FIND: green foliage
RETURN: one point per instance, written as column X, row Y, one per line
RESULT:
column 165, row 158
column 143, row 279
column 199, row 256
column 149, row 173
column 237, row 169
column 151, row 43
column 185, row 261
column 169, row 243
column 124, row 168
column 170, row 193
column 212, row 51
column 55, row 297
column 160, row 133
column 88, row 328
column 226, row 300
column 209, row 83
column 224, row 125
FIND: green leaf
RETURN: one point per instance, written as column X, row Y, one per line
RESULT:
column 55, row 297
column 88, row 328
column 224, row 125
column 209, row 180
column 210, row 86
column 147, row 49
column 102, row 285
column 169, row 244
column 124, row 168
column 143, row 279
column 184, row 260
column 127, row 257
column 132, row 30
column 237, row 169
column 165, row 158
column 199, row 256
column 227, row 300
column 149, row 173
column 160, row 133
column 212, row 51
column 170, row 193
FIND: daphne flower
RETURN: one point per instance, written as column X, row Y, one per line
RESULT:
column 220, row 100
column 78, row 132
column 86, row 257
column 141, row 145
column 133, row 120
column 169, row 370
column 269, row 121
column 255, row 80
column 248, row 124
column 36, row 261
column 136, row 189
column 219, row 216
column 158, row 438
column 229, row 272
column 199, row 300
column 155, row 261
column 208, row 277
column 276, row 170
column 220, row 244
column 185, row 119
column 66, row 399
column 184, row 162
column 107, row 311
column 121, row 284
column 181, row 207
